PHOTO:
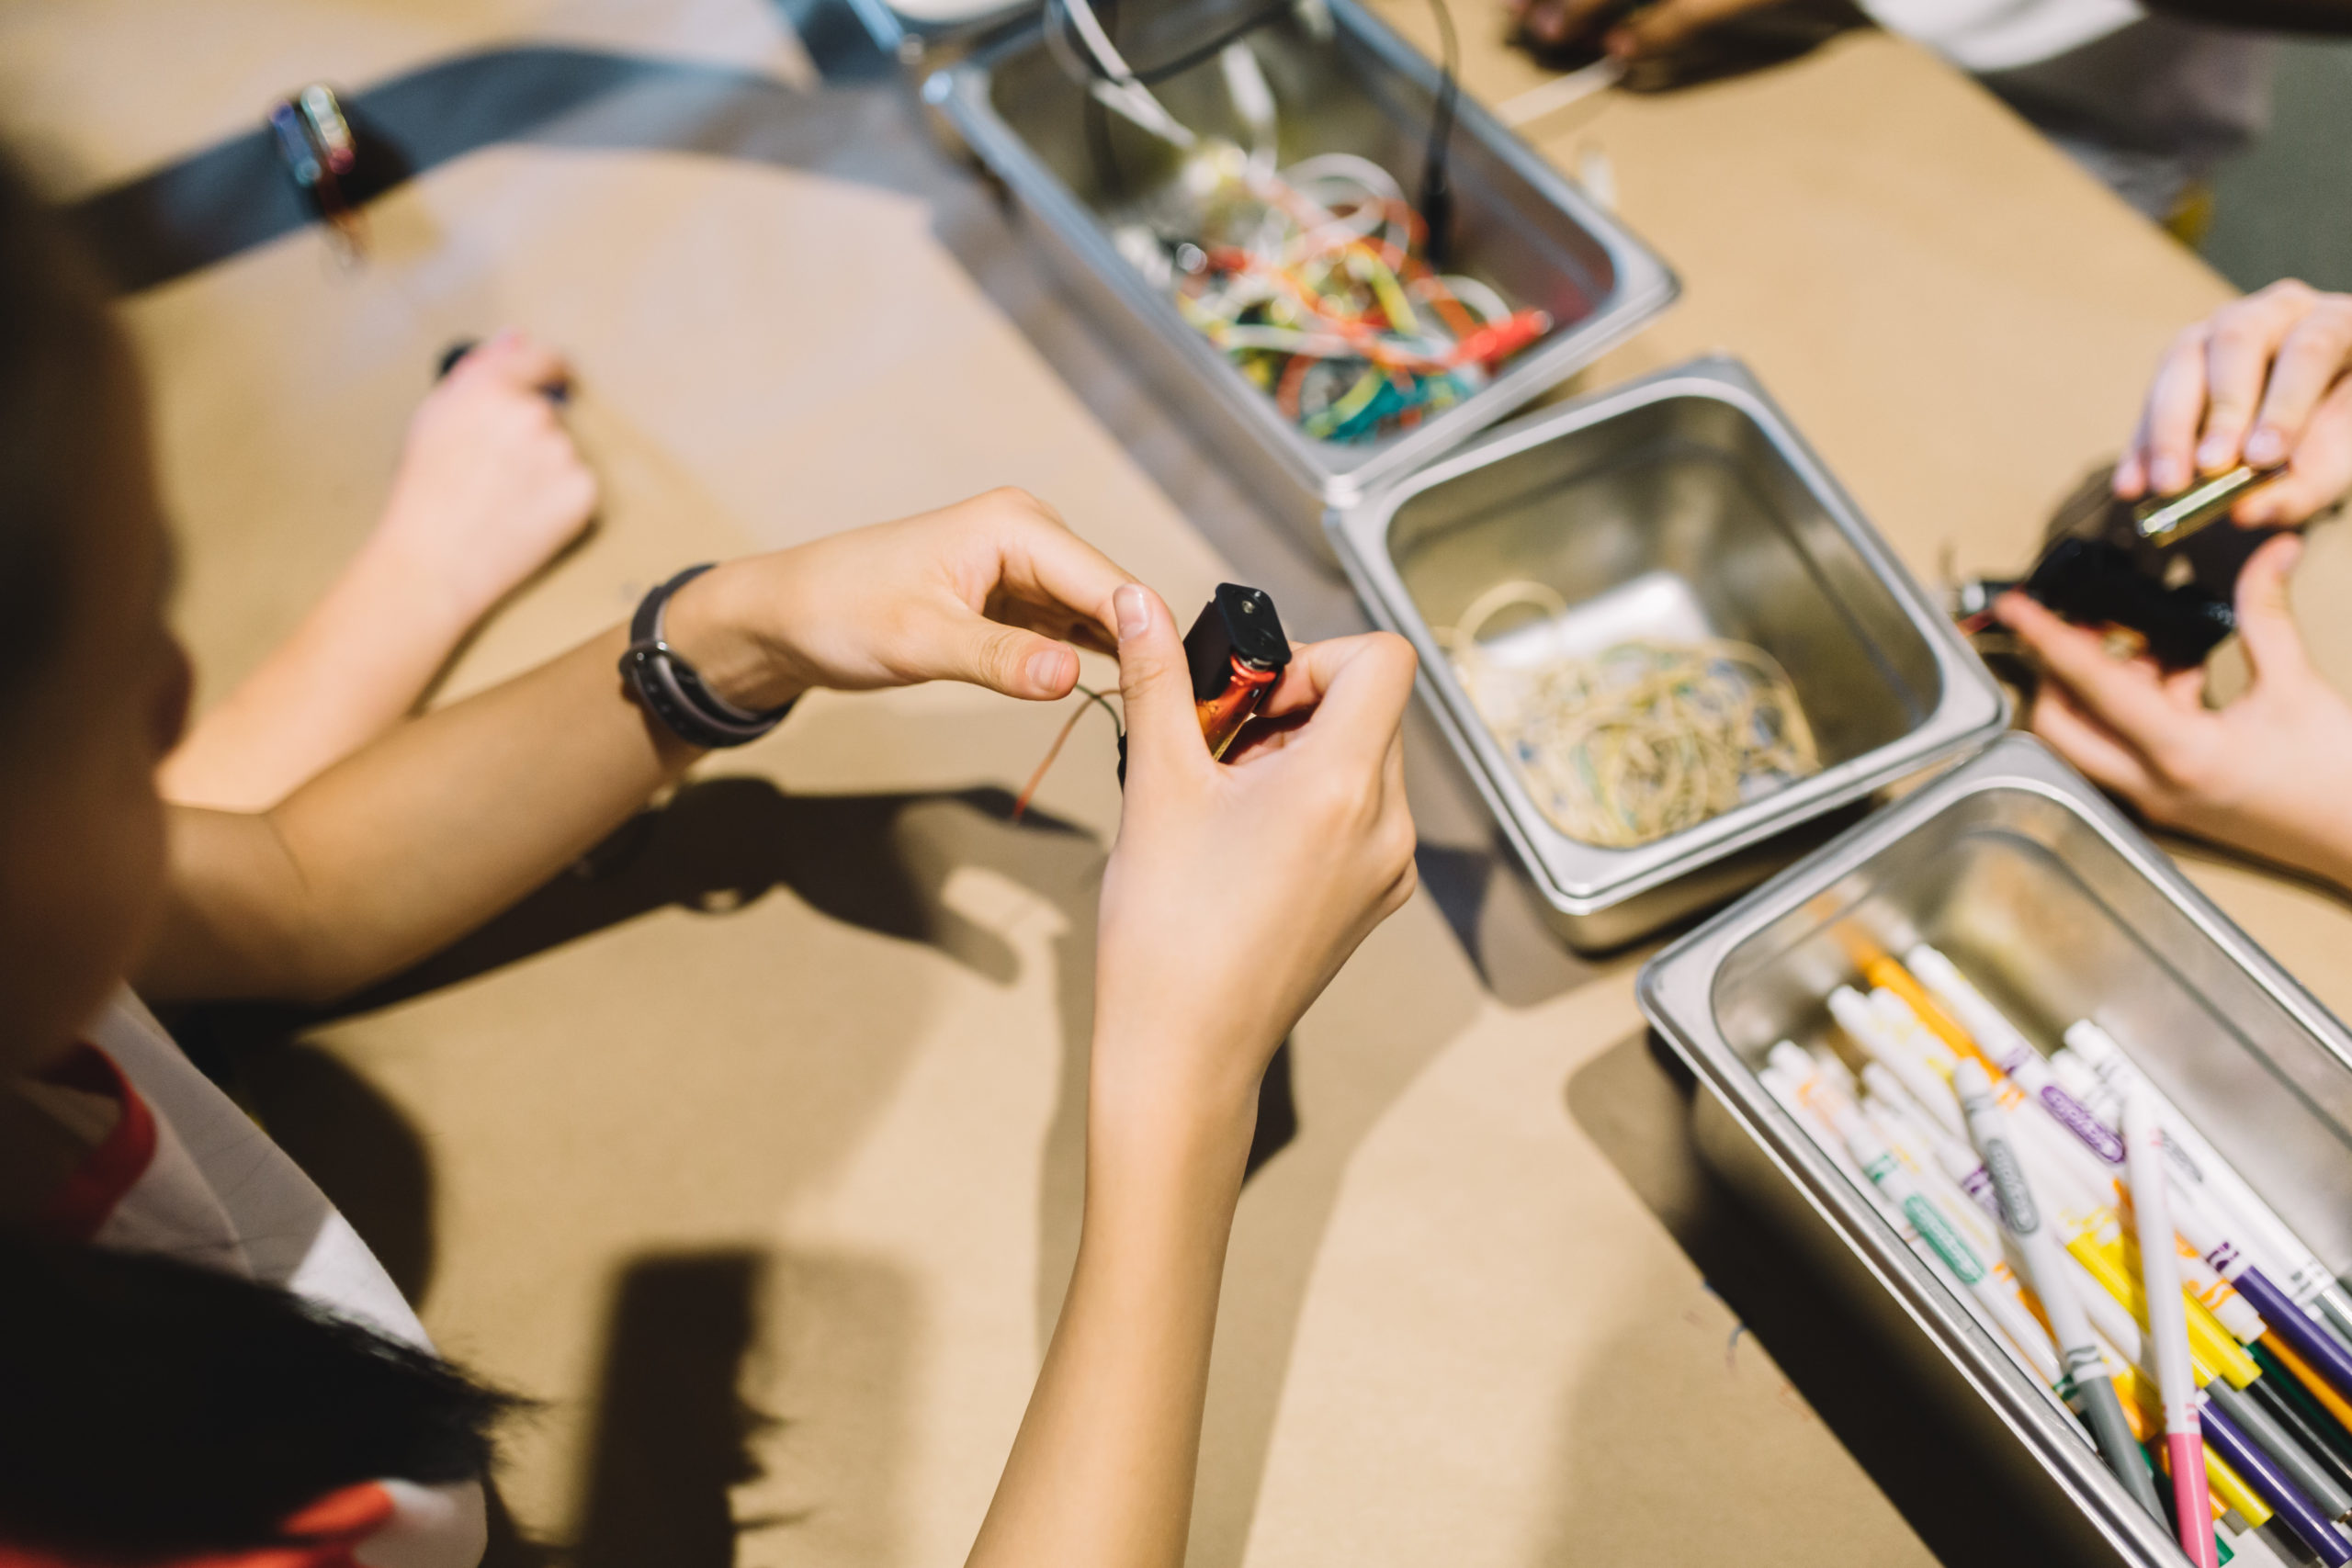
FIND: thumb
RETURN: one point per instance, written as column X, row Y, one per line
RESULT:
column 1018, row 662
column 1155, row 684
column 2266, row 619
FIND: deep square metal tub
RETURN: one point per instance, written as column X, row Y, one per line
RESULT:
column 1520, row 227
column 1680, row 506
column 2060, row 909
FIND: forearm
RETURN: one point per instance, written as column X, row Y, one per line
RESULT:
column 411, row 842
column 1102, row 1472
column 356, row 665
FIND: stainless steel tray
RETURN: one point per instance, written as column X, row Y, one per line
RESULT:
column 1682, row 505
column 1519, row 226
column 2060, row 909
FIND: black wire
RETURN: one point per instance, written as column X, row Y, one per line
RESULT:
column 1437, row 188
column 1150, row 75
column 1210, row 50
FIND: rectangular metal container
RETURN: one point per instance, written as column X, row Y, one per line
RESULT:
column 1679, row 505
column 1520, row 227
column 2059, row 909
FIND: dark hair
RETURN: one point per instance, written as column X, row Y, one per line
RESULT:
column 150, row 1408
column 59, row 358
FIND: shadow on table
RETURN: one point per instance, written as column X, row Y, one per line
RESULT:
column 671, row 1437
column 1632, row 1101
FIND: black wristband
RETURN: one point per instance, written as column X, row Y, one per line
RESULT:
column 669, row 689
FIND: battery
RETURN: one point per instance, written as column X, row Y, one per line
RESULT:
column 1235, row 651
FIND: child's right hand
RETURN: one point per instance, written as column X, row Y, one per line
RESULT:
column 1237, row 889
column 2265, row 379
column 490, row 484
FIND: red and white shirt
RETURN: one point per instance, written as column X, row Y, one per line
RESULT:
column 187, row 1174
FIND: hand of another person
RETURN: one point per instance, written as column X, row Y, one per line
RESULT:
column 1237, row 888
column 489, row 486
column 2265, row 379
column 2268, row 774
column 989, row 591
column 1644, row 32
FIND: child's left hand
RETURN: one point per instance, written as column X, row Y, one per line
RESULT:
column 991, row 591
column 2268, row 774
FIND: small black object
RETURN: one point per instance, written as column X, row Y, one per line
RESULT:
column 1234, row 654
column 558, row 394
column 1237, row 622
column 668, row 687
column 2093, row 582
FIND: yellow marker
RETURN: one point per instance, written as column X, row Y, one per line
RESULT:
column 2214, row 1348
column 2230, row 1488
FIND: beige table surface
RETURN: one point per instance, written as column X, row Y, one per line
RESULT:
column 758, row 1165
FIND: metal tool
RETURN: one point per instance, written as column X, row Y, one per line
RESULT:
column 2165, row 520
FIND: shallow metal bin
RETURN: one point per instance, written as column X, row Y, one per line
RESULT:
column 1683, row 505
column 2060, row 909
column 1520, row 227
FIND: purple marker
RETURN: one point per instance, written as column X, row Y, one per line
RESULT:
column 2011, row 1051
column 2302, row 1515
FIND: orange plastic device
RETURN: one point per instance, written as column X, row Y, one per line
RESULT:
column 1237, row 651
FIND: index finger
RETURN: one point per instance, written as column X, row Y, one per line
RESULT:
column 2313, row 355
column 2126, row 697
column 1353, row 691
column 1047, row 568
column 2246, row 338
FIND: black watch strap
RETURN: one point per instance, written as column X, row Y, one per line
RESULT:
column 669, row 688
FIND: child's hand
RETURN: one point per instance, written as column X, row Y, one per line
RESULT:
column 1237, row 889
column 990, row 591
column 2266, row 379
column 1648, row 30
column 489, row 485
column 2268, row 773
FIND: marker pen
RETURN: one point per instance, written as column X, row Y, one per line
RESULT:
column 2275, row 1245
column 1923, row 1041
column 1883, row 1045
column 2281, row 1493
column 2266, row 1303
column 1935, row 1232
column 2269, row 1396
column 1881, row 970
column 2230, row 1490
column 2016, row 1316
column 2078, row 1349
column 2010, row 1051
column 1812, row 1104
column 2168, row 1337
column 2323, row 1422
column 1917, row 1147
column 2319, row 1482
column 2312, row 1384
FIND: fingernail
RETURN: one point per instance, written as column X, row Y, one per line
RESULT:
column 2214, row 454
column 2169, row 475
column 1135, row 611
column 1046, row 667
column 2266, row 446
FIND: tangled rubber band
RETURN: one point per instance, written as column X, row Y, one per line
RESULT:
column 1311, row 280
column 1644, row 740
